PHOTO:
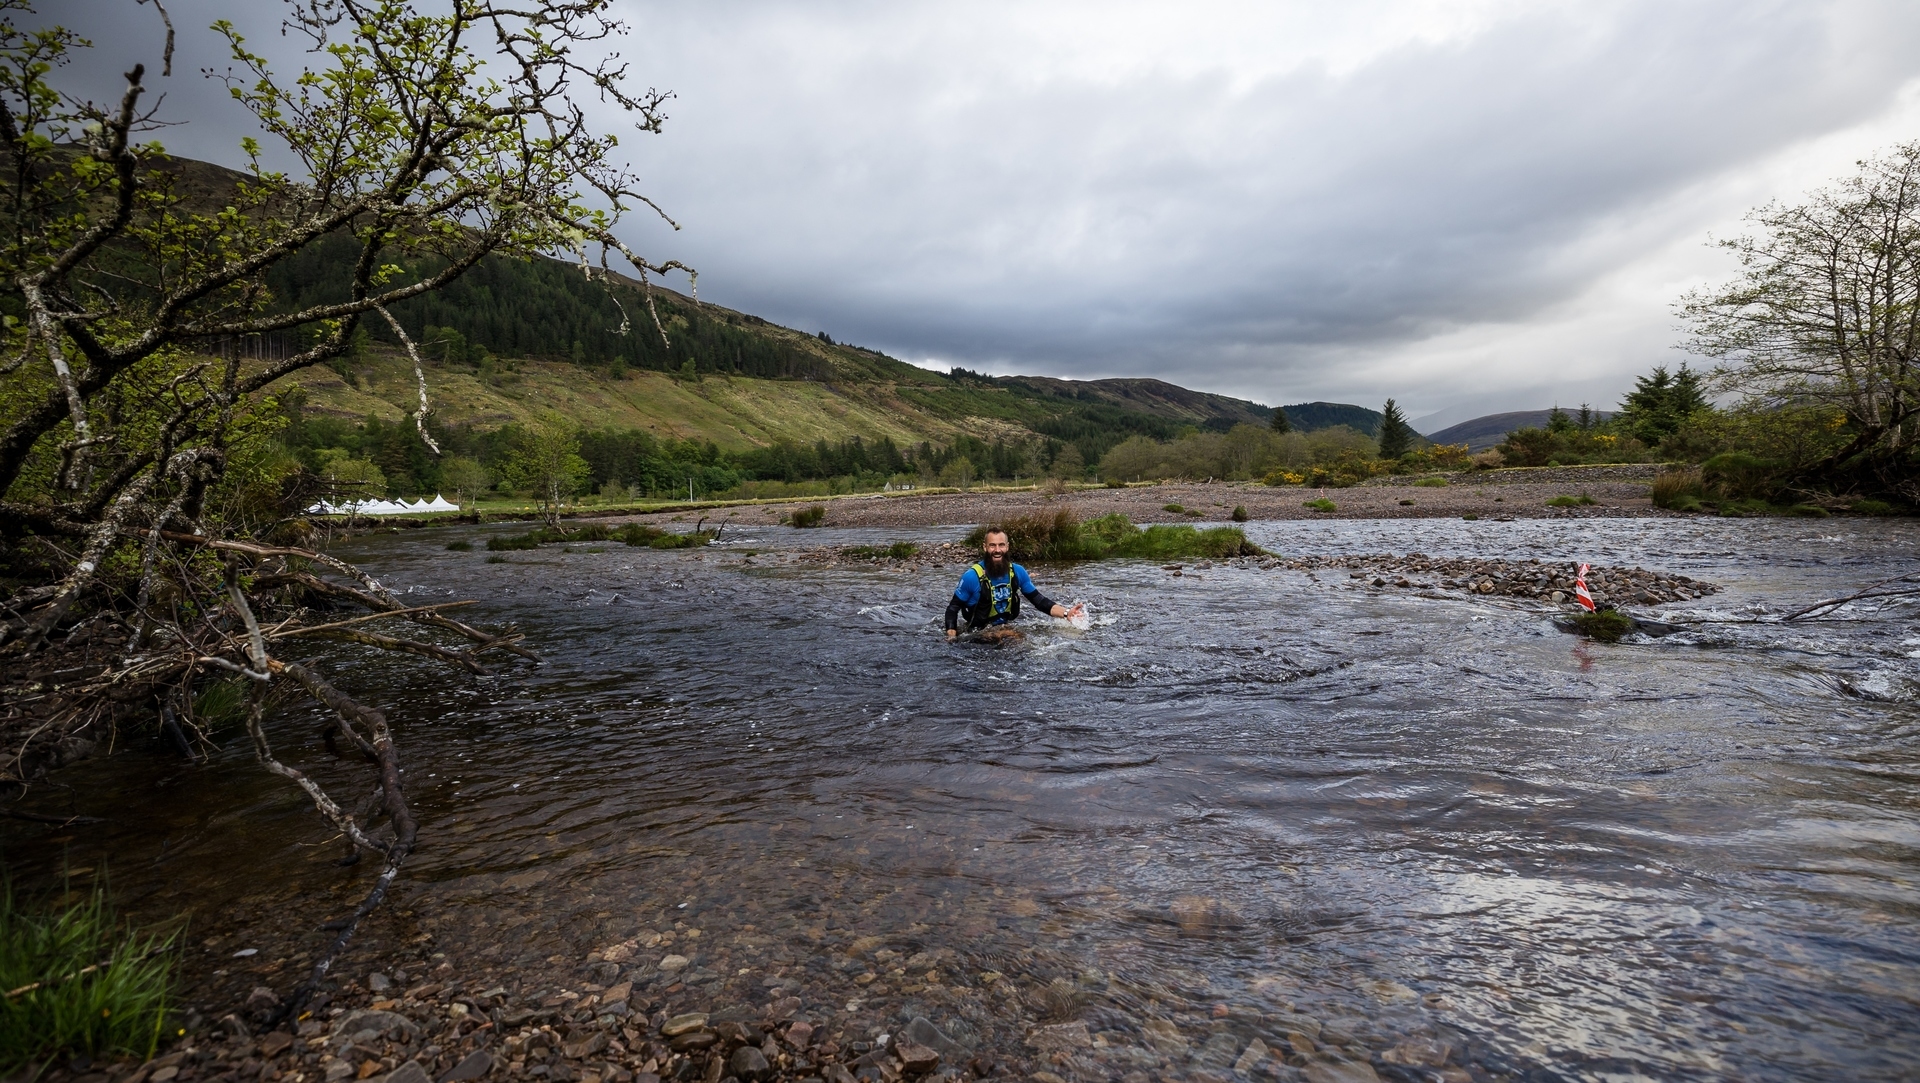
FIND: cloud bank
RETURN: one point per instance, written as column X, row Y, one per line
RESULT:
column 1470, row 206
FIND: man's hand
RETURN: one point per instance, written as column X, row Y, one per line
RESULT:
column 1064, row 613
column 951, row 634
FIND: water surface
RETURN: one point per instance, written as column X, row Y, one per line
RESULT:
column 1247, row 803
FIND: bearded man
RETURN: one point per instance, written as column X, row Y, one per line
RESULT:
column 989, row 593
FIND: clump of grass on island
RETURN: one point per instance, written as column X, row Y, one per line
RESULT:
column 1322, row 504
column 1239, row 513
column 633, row 534
column 1581, row 501
column 1062, row 536
column 75, row 980
column 1432, row 483
column 460, row 546
column 807, row 517
column 897, row 551
column 1604, row 625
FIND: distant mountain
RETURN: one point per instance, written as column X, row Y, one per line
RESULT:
column 1482, row 433
column 1308, row 416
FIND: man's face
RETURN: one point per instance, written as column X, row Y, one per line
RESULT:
column 996, row 547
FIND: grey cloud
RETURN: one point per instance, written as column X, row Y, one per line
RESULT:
column 890, row 175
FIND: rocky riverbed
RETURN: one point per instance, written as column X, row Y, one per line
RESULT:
column 1531, row 579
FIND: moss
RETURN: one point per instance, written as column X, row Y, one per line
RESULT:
column 1604, row 625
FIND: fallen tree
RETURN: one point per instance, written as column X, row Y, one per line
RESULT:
column 150, row 536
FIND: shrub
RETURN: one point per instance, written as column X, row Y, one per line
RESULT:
column 1679, row 489
column 460, row 546
column 1284, row 477
column 1322, row 504
column 1239, row 513
column 1605, row 625
column 1739, row 475
column 1431, row 483
column 1116, row 483
column 78, row 981
column 1582, row 500
column 808, row 517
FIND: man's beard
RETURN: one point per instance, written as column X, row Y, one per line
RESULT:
column 997, row 565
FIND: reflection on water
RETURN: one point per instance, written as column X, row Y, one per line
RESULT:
column 1247, row 803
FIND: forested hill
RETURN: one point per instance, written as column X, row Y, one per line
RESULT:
column 512, row 338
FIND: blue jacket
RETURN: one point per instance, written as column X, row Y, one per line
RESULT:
column 995, row 603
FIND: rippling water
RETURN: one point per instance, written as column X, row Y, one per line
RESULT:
column 1242, row 798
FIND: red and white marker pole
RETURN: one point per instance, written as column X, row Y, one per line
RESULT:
column 1580, row 589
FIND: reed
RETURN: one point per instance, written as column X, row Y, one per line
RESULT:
column 76, row 980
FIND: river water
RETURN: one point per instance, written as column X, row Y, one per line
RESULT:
column 1434, row 835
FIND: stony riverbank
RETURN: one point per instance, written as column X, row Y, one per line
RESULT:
column 634, row 1013
column 1615, row 491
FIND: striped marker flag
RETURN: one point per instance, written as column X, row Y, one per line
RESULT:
column 1580, row 588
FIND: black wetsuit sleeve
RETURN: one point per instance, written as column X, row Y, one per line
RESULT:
column 1041, row 602
column 955, row 607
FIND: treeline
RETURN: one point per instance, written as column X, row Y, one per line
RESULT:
column 550, row 310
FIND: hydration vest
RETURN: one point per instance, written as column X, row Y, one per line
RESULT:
column 994, row 606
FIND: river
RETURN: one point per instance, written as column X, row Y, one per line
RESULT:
column 1432, row 833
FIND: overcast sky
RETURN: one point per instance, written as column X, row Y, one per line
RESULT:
column 1471, row 206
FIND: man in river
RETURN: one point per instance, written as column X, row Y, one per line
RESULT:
column 989, row 593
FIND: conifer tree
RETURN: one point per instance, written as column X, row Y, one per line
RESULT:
column 1396, row 436
column 1280, row 422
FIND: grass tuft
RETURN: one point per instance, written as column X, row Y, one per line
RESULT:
column 1432, row 483
column 496, row 558
column 808, row 517
column 221, row 704
column 1174, row 508
column 501, row 543
column 460, row 547
column 77, row 981
column 1581, row 501
column 1321, row 504
column 1678, row 490
column 1239, row 513
column 896, row 551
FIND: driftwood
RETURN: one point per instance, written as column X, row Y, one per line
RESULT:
column 166, row 653
column 1859, row 595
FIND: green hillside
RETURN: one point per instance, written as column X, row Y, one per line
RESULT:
column 664, row 387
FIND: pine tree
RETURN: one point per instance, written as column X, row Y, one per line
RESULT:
column 1280, row 422
column 1396, row 436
